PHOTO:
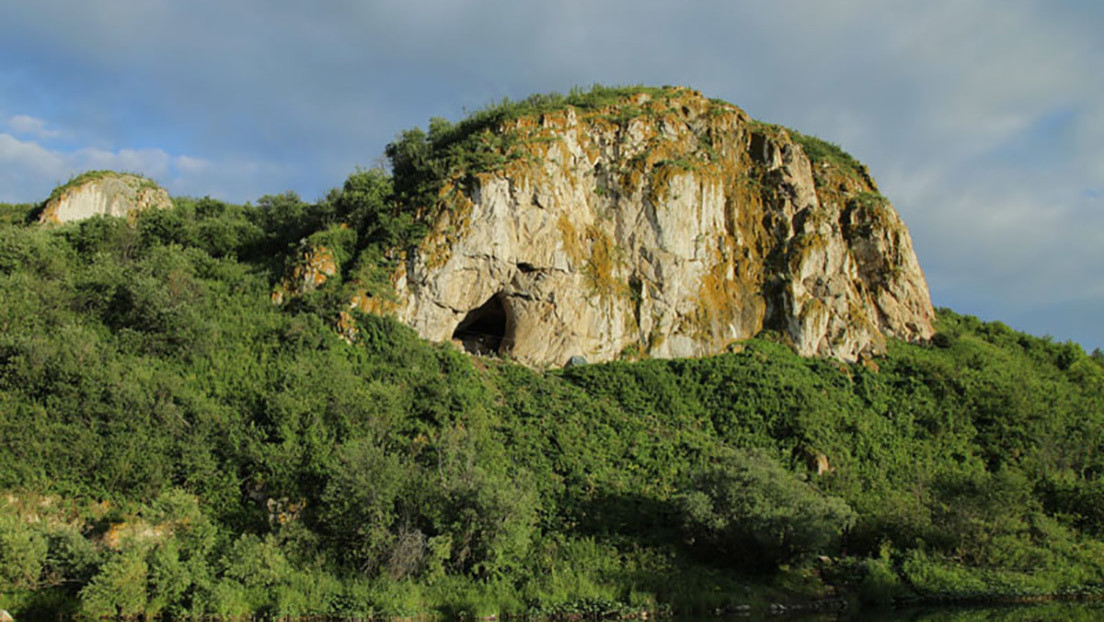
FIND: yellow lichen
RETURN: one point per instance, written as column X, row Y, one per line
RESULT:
column 724, row 298
column 600, row 265
column 452, row 223
column 572, row 242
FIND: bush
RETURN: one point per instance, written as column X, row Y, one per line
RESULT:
column 488, row 516
column 22, row 554
column 118, row 589
column 71, row 559
column 358, row 506
column 748, row 507
column 880, row 584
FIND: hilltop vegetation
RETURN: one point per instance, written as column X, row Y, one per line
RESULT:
column 173, row 443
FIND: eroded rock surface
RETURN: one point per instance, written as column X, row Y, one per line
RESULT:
column 670, row 232
column 106, row 194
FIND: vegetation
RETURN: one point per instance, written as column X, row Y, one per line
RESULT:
column 749, row 507
column 820, row 150
column 172, row 443
column 14, row 213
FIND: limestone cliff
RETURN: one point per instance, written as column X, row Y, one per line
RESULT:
column 663, row 225
column 103, row 193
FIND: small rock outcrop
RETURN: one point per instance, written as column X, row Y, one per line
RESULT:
column 103, row 193
column 667, row 225
column 312, row 267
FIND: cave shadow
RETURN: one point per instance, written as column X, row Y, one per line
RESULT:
column 484, row 330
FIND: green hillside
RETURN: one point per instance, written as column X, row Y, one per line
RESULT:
column 172, row 442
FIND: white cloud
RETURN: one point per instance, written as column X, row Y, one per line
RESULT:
column 189, row 165
column 25, row 125
column 29, row 171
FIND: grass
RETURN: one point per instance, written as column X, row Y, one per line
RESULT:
column 820, row 150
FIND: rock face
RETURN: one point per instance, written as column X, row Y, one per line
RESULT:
column 664, row 226
column 103, row 193
column 311, row 269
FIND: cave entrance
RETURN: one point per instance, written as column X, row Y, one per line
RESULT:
column 484, row 330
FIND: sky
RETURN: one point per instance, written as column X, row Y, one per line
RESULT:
column 981, row 120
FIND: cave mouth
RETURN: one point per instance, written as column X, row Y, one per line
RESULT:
column 484, row 329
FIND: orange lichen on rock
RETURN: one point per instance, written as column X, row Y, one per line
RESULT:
column 312, row 268
column 127, row 533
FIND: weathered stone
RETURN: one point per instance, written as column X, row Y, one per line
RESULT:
column 104, row 193
column 311, row 269
column 5, row 616
column 674, row 233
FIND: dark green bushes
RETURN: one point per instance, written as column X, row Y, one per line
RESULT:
column 746, row 508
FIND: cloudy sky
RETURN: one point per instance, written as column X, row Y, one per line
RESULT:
column 982, row 120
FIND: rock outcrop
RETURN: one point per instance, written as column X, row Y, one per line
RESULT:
column 667, row 225
column 103, row 193
column 313, row 266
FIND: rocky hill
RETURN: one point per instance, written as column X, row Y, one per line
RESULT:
column 103, row 193
column 662, row 224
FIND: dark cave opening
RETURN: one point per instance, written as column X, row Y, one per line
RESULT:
column 483, row 330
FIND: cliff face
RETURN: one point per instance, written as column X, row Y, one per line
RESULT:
column 103, row 193
column 666, row 225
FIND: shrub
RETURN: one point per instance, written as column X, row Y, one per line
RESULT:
column 118, row 589
column 359, row 503
column 71, row 559
column 750, row 508
column 22, row 554
column 880, row 584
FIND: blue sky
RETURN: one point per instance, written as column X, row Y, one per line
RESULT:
column 982, row 120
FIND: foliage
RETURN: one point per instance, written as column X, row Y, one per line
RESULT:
column 22, row 555
column 820, row 150
column 118, row 589
column 749, row 509
column 15, row 213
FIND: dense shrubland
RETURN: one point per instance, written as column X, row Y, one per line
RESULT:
column 173, row 443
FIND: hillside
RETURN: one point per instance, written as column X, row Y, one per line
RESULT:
column 172, row 442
